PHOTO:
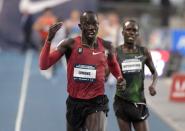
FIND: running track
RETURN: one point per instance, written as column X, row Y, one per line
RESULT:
column 30, row 102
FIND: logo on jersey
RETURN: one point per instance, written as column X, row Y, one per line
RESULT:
column 80, row 50
column 96, row 53
column 138, row 57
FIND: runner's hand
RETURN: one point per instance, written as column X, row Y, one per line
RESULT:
column 152, row 90
column 53, row 29
column 121, row 83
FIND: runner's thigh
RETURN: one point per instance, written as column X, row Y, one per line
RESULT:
column 141, row 125
column 96, row 121
column 124, row 125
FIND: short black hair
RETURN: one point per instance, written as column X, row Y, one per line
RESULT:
column 129, row 20
column 87, row 12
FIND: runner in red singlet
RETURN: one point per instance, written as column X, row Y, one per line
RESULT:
column 87, row 57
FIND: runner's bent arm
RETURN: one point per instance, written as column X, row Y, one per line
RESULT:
column 151, row 66
column 47, row 59
column 112, row 61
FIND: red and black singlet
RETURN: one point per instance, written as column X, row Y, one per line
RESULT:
column 85, row 66
column 86, row 70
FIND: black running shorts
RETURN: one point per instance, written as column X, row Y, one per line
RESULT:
column 128, row 111
column 79, row 109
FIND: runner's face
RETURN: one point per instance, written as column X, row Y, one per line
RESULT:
column 89, row 26
column 130, row 32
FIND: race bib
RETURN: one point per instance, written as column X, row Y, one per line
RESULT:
column 131, row 65
column 85, row 73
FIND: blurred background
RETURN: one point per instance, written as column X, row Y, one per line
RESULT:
column 31, row 99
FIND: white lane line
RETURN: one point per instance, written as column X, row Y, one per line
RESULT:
column 23, row 92
column 1, row 5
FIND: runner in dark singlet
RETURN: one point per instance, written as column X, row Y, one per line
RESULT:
column 87, row 57
column 130, row 104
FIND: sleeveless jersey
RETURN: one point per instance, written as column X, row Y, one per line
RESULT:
column 132, row 66
column 86, row 70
